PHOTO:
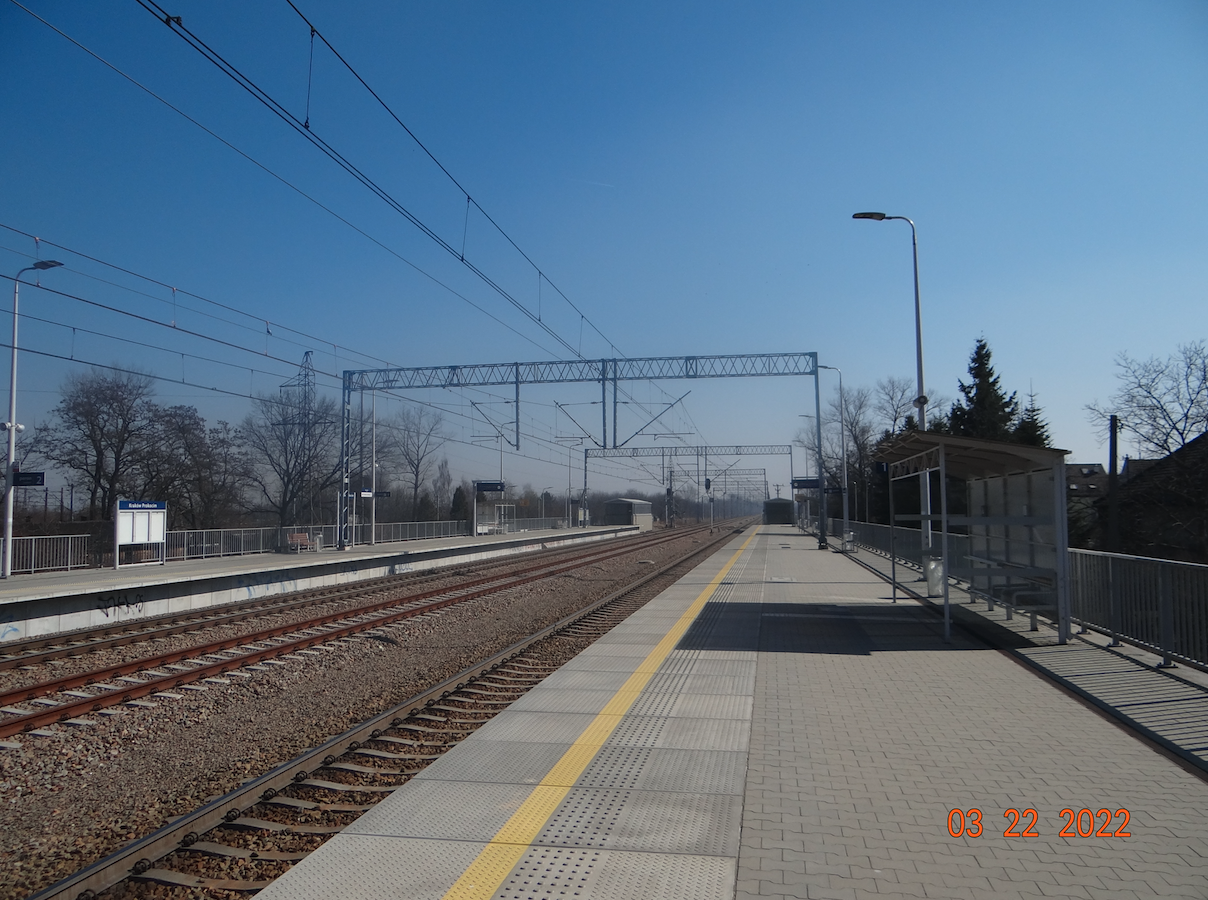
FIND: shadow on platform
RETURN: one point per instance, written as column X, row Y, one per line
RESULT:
column 855, row 629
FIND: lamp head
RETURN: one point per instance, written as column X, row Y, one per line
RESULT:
column 44, row 264
column 878, row 216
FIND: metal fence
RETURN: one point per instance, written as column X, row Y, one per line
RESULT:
column 1158, row 604
column 76, row 551
column 50, row 553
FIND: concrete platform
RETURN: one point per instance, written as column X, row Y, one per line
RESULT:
column 52, row 602
column 772, row 725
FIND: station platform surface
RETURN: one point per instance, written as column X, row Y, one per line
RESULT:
column 53, row 602
column 64, row 583
column 774, row 726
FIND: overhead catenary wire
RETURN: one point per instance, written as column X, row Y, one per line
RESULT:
column 278, row 109
column 268, row 171
column 176, row 26
column 336, row 348
column 355, row 74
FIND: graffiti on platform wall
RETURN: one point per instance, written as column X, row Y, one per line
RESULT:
column 7, row 628
column 118, row 604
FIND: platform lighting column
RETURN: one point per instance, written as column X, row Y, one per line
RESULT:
column 808, row 511
column 543, row 490
column 843, row 444
column 920, row 402
column 373, row 474
column 11, row 425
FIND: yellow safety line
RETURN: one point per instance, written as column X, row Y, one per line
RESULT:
column 484, row 876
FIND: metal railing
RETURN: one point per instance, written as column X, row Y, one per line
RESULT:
column 50, row 553
column 63, row 552
column 1159, row 605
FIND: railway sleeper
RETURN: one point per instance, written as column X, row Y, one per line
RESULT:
column 167, row 876
column 314, row 805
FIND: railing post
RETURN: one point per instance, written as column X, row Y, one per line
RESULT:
column 1166, row 616
column 1113, row 603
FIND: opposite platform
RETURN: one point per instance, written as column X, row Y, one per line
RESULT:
column 53, row 602
column 773, row 725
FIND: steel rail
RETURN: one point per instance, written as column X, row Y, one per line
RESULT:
column 78, row 706
column 83, row 679
column 138, row 856
column 30, row 651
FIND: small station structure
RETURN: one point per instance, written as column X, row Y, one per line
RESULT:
column 623, row 511
column 778, row 511
column 1004, row 532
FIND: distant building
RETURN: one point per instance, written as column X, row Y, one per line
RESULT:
column 1164, row 505
column 1085, row 484
column 624, row 511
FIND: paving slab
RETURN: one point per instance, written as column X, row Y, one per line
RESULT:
column 807, row 737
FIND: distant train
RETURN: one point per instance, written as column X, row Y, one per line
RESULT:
column 778, row 512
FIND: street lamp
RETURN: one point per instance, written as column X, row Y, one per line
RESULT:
column 920, row 401
column 543, row 490
column 11, row 425
column 817, row 465
column 843, row 443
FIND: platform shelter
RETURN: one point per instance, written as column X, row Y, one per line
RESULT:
column 1007, row 536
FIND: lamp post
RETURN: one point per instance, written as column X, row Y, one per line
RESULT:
column 920, row 401
column 543, row 490
column 11, row 425
column 843, row 443
column 817, row 465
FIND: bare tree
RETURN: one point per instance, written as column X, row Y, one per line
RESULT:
column 860, row 431
column 893, row 401
column 1164, row 403
column 416, row 439
column 293, row 457
column 442, row 489
column 102, row 430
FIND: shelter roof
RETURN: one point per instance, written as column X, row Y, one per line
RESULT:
column 967, row 457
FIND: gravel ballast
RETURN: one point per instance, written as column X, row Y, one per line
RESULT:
column 83, row 792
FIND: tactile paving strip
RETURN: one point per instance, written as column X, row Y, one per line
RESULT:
column 699, row 706
column 676, row 733
column 505, row 762
column 646, row 821
column 638, row 731
column 562, row 701
column 589, row 680
column 668, row 876
column 373, row 868
column 536, row 727
column 548, row 872
column 699, row 771
column 444, row 809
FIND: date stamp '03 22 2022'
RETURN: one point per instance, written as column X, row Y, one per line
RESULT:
column 1080, row 823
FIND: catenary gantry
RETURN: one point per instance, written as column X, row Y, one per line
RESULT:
column 653, row 368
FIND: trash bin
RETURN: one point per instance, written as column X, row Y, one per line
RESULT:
column 849, row 542
column 933, row 568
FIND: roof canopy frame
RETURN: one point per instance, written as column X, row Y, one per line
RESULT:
column 998, row 475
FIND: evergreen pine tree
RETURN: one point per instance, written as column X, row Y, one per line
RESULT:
column 459, row 509
column 987, row 411
column 1032, row 429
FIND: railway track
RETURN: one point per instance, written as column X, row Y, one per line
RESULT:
column 36, row 651
column 70, row 698
column 245, row 839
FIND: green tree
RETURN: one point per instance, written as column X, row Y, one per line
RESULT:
column 459, row 511
column 1031, row 428
column 425, row 509
column 986, row 410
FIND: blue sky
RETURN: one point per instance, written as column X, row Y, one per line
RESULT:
column 684, row 173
